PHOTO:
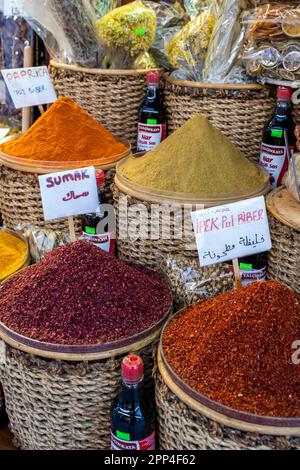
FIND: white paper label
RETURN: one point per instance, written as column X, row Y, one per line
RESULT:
column 70, row 192
column 274, row 160
column 231, row 231
column 149, row 136
column 29, row 86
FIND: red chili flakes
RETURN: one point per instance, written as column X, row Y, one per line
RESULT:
column 80, row 295
column 236, row 349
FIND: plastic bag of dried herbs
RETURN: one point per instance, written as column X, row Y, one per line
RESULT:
column 102, row 7
column 68, row 30
column 195, row 7
column 170, row 18
column 190, row 283
column 226, row 41
column 187, row 49
column 127, row 32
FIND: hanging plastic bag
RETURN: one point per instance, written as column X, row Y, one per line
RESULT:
column 188, row 48
column 226, row 41
column 127, row 32
column 68, row 30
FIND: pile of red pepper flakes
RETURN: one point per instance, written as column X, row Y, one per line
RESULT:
column 80, row 295
column 237, row 349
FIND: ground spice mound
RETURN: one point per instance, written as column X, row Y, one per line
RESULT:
column 197, row 158
column 65, row 133
column 236, row 349
column 81, row 295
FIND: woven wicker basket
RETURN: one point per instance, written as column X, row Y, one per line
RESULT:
column 239, row 111
column 165, row 246
column 20, row 200
column 54, row 403
column 186, row 424
column 113, row 97
column 284, row 221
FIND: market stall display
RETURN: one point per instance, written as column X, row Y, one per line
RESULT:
column 122, row 310
column 13, row 253
column 284, row 214
column 211, row 391
column 209, row 171
column 47, row 147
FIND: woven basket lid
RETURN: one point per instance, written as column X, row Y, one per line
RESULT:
column 284, row 207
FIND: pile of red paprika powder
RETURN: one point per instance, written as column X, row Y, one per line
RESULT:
column 79, row 294
column 239, row 349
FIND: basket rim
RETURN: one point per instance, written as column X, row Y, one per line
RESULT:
column 279, row 196
column 215, row 86
column 108, row 72
column 217, row 411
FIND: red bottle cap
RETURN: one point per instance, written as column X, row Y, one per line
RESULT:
column 153, row 77
column 100, row 177
column 132, row 368
column 284, row 93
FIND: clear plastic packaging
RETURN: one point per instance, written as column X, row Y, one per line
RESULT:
column 170, row 18
column 272, row 49
column 187, row 50
column 226, row 41
column 41, row 241
column 127, row 32
column 102, row 7
column 195, row 7
column 292, row 177
column 190, row 283
column 68, row 30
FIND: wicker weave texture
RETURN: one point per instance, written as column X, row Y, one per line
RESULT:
column 177, row 257
column 181, row 428
column 20, row 200
column 114, row 100
column 59, row 406
column 240, row 115
column 284, row 257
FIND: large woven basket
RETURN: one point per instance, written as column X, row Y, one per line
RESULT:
column 21, row 204
column 113, row 97
column 284, row 221
column 55, row 403
column 187, row 424
column 239, row 111
column 178, row 256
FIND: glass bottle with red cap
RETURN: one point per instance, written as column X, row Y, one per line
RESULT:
column 133, row 420
column 96, row 226
column 152, row 126
column 273, row 155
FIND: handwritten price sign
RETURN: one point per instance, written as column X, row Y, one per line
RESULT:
column 29, row 86
column 231, row 231
column 68, row 193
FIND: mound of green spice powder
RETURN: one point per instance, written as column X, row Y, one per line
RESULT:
column 197, row 158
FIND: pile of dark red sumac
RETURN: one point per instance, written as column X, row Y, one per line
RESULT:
column 240, row 349
column 80, row 295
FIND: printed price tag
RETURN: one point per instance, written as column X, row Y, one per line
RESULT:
column 29, row 86
column 68, row 193
column 231, row 231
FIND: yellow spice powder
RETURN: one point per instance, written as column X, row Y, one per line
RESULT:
column 13, row 253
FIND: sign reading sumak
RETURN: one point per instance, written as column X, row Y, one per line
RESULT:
column 231, row 231
column 68, row 193
column 29, row 86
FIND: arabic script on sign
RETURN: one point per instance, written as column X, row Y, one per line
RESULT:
column 70, row 192
column 231, row 231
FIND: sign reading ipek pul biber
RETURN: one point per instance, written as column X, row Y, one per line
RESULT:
column 68, row 193
column 29, row 86
column 231, row 231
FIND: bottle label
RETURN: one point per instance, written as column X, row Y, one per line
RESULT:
column 275, row 160
column 149, row 136
column 145, row 444
column 251, row 275
column 105, row 241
